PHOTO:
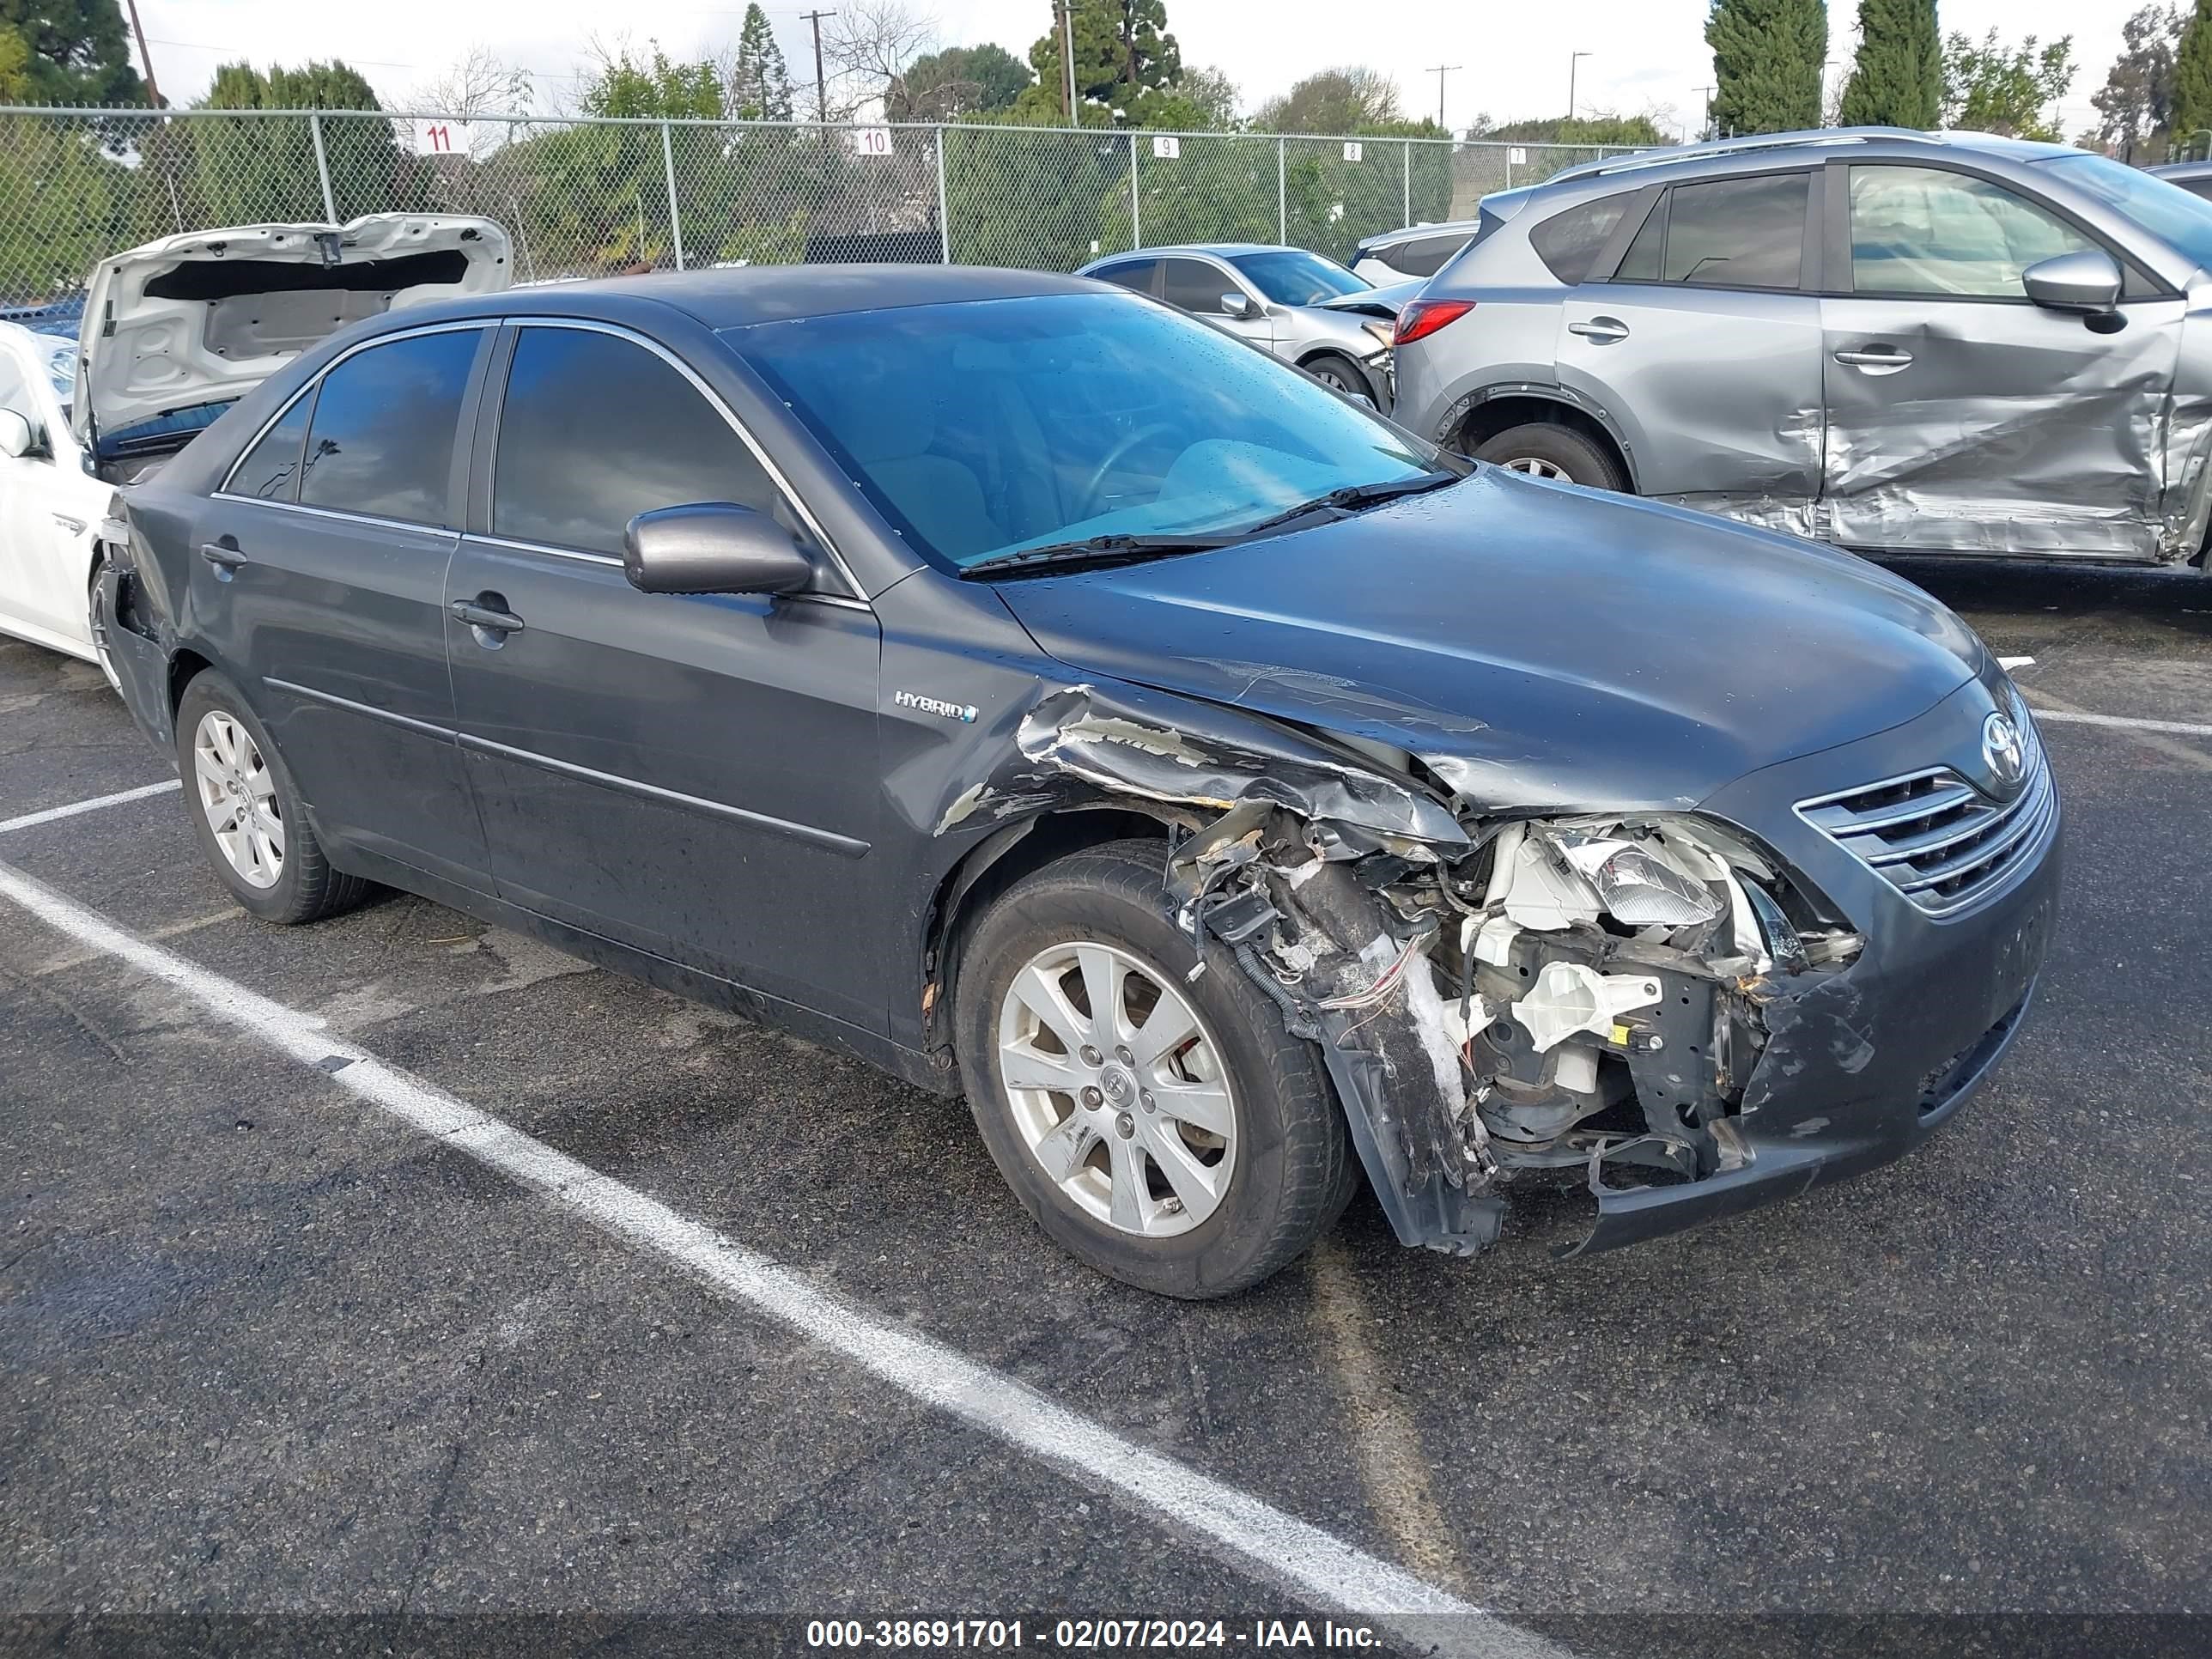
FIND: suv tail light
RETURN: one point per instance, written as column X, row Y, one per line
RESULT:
column 1424, row 317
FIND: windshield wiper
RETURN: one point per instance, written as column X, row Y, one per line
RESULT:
column 1352, row 497
column 1093, row 550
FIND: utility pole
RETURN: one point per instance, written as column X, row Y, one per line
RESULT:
column 1706, row 130
column 1574, row 63
column 153, row 92
column 821, row 81
column 1068, row 55
column 1440, row 71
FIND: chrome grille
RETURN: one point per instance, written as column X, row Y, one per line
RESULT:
column 1934, row 837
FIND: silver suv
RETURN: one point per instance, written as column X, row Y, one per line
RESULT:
column 1885, row 340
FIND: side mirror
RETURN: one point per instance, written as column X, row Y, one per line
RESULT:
column 2088, row 279
column 1238, row 305
column 713, row 547
column 16, row 437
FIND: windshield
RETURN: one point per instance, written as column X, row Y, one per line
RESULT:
column 2162, row 207
column 990, row 426
column 1290, row 276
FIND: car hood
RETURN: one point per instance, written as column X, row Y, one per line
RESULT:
column 1385, row 302
column 205, row 317
column 1541, row 646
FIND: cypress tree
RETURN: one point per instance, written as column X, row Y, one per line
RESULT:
column 2192, row 77
column 1897, row 80
column 1766, row 63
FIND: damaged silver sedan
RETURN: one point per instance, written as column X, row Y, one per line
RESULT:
column 1033, row 691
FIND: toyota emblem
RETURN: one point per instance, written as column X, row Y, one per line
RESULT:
column 2005, row 750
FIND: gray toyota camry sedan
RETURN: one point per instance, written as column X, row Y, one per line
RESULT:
column 1029, row 689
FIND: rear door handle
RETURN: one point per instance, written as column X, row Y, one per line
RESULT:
column 1875, row 357
column 1601, row 330
column 491, row 619
column 221, row 555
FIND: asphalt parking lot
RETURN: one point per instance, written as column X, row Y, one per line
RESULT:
column 268, row 1345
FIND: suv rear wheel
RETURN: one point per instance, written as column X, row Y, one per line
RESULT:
column 1165, row 1130
column 1546, row 450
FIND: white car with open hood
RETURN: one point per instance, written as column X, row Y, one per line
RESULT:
column 171, row 334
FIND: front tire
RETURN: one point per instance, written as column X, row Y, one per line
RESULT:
column 1342, row 375
column 1165, row 1131
column 1544, row 449
column 248, row 813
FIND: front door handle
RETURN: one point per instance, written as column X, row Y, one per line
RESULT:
column 1601, row 330
column 75, row 526
column 224, row 555
column 1881, row 356
column 490, row 618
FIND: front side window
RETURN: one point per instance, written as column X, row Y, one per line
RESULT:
column 986, row 426
column 1291, row 276
column 1569, row 243
column 381, row 442
column 1732, row 233
column 2161, row 206
column 270, row 470
column 1921, row 230
column 60, row 355
column 595, row 430
column 1195, row 285
column 16, row 391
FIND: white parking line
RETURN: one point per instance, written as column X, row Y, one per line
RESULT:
column 2076, row 717
column 32, row 820
column 1279, row 1546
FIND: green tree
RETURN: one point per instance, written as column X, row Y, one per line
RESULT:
column 958, row 83
column 2192, row 75
column 252, row 170
column 760, row 83
column 2135, row 108
column 1991, row 86
column 1897, row 79
column 1595, row 129
column 79, row 52
column 1127, row 64
column 1337, row 100
column 1766, row 64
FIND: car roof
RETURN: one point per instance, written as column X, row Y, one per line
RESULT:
column 1408, row 233
column 2181, row 170
column 1864, row 142
column 756, row 294
column 1218, row 250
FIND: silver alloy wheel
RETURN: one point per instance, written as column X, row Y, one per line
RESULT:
column 1118, row 1089
column 240, row 798
column 1536, row 467
column 1329, row 375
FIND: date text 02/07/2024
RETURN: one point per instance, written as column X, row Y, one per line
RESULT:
column 1086, row 1634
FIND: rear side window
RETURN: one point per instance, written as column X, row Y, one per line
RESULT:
column 1737, row 233
column 270, row 470
column 595, row 430
column 1569, row 243
column 2196, row 186
column 1427, row 256
column 382, row 439
column 1196, row 286
column 1133, row 274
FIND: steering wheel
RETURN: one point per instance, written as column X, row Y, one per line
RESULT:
column 1120, row 453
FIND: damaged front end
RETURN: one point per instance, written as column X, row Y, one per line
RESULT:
column 1497, row 995
column 1563, row 993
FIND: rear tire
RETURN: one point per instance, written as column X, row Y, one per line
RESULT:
column 1547, row 450
column 1137, row 1188
column 248, row 814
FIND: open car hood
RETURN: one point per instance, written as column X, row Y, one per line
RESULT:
column 1385, row 302
column 205, row 317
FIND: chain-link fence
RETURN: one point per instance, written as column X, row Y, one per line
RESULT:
column 597, row 197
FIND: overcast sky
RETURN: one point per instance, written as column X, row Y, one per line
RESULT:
column 1645, row 54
